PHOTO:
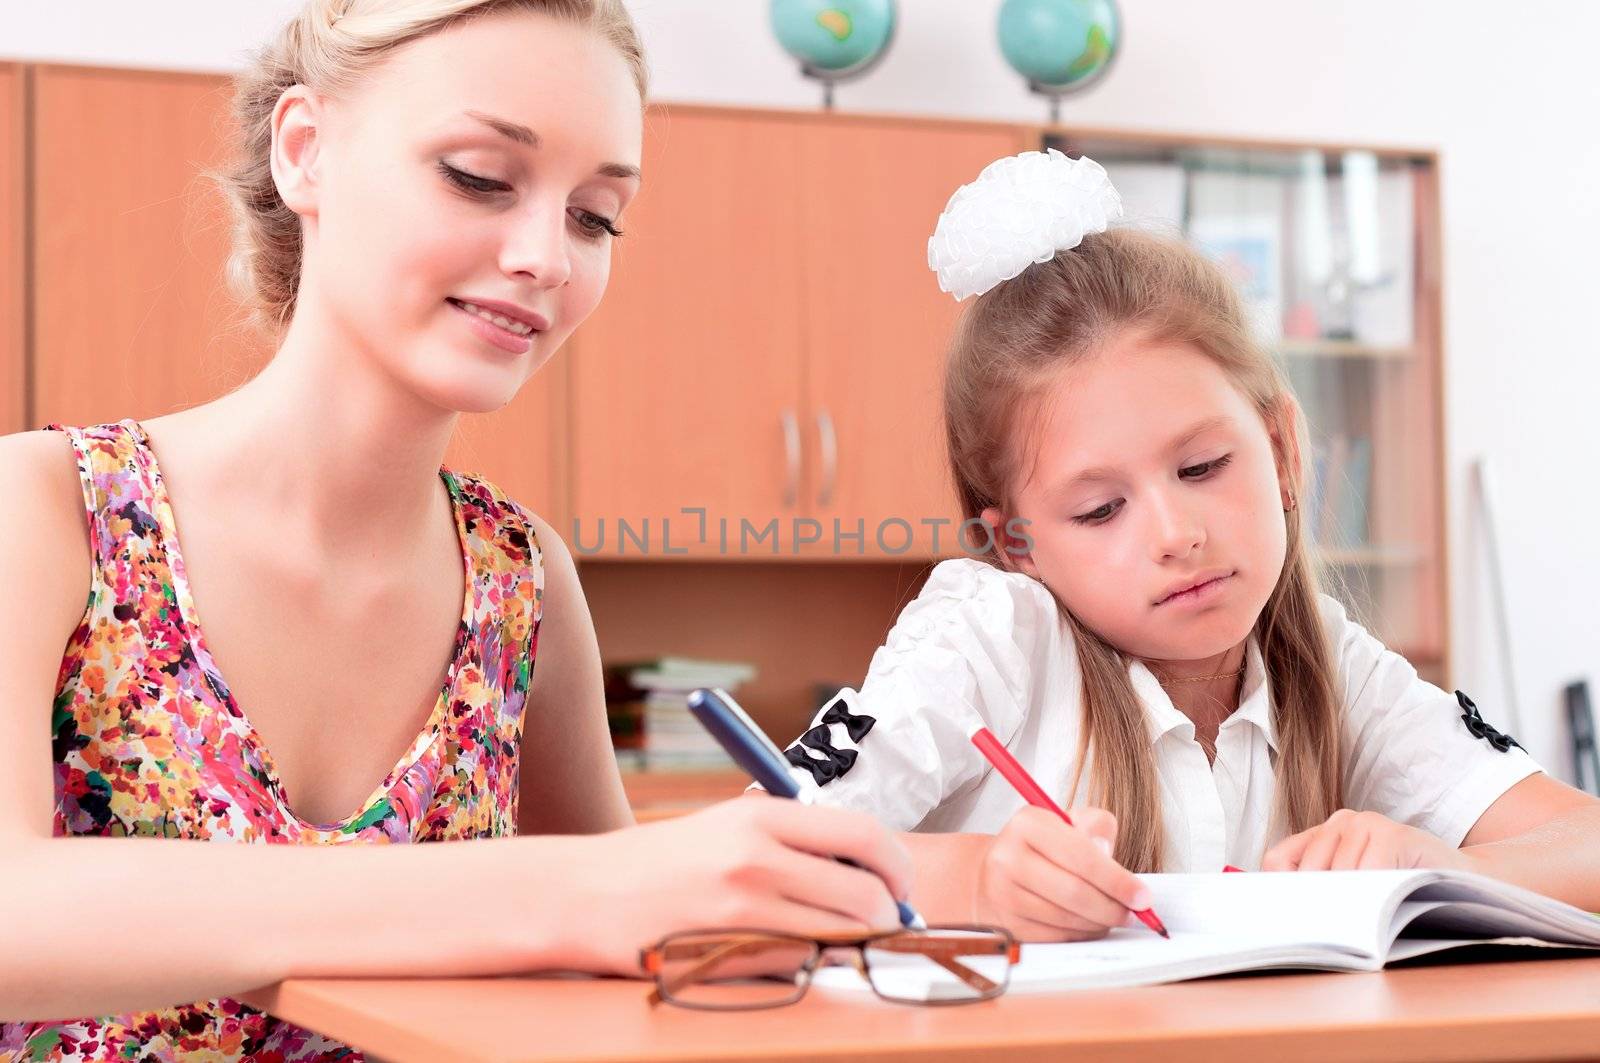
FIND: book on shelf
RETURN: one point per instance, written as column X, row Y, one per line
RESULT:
column 647, row 704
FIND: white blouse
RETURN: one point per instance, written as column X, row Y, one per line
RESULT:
column 980, row 646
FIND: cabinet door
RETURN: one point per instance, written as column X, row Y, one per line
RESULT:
column 13, row 253
column 877, row 325
column 684, row 379
column 131, row 312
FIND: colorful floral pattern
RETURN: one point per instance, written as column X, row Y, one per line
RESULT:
column 149, row 741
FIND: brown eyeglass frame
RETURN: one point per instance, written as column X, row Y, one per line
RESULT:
column 945, row 952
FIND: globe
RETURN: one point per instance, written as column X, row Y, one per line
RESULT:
column 833, row 40
column 1059, row 45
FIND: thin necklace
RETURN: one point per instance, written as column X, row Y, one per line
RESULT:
column 1204, row 678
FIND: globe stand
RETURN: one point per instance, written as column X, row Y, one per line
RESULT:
column 1054, row 93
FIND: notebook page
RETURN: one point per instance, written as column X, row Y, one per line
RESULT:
column 1349, row 910
column 1468, row 905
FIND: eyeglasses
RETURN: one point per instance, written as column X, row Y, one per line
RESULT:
column 737, row 969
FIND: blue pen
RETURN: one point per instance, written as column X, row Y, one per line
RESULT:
column 753, row 751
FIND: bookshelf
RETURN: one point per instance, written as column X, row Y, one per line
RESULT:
column 1288, row 350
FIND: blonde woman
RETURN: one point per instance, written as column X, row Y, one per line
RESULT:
column 274, row 620
column 1145, row 631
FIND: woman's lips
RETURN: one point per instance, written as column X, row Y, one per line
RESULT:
column 504, row 339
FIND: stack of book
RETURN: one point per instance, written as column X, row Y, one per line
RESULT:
column 647, row 703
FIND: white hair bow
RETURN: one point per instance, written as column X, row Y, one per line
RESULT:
column 1022, row 209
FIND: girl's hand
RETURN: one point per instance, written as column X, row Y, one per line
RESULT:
column 1354, row 840
column 1046, row 881
column 756, row 862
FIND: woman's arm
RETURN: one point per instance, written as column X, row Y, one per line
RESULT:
column 95, row 926
column 569, row 781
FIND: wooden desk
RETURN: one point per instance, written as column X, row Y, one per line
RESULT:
column 1539, row 1009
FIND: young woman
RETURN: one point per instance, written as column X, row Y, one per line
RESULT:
column 275, row 621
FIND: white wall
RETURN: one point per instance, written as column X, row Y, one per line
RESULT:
column 1511, row 103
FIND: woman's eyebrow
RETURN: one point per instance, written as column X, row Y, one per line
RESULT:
column 521, row 134
column 510, row 130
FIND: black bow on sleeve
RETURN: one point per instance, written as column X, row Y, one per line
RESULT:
column 1479, row 729
column 834, row 762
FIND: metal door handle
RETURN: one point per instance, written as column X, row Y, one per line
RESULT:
column 830, row 456
column 791, row 448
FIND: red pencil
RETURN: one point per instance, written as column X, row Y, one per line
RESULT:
column 1023, row 783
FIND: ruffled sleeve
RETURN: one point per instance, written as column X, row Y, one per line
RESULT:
column 964, row 654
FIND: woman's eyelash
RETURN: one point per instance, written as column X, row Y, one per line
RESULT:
column 591, row 223
column 1101, row 514
column 595, row 224
column 471, row 182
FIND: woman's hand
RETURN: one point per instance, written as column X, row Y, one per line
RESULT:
column 1353, row 840
column 755, row 861
column 1046, row 881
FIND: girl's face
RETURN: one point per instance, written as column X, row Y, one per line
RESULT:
column 1153, row 474
column 486, row 164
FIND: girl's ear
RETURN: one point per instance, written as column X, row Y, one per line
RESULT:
column 1015, row 551
column 1283, row 427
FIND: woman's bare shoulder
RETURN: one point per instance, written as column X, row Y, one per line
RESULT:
column 42, row 520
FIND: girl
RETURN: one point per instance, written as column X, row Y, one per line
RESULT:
column 301, row 634
column 1144, row 631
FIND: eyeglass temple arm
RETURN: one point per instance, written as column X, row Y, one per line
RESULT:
column 717, row 955
column 945, row 954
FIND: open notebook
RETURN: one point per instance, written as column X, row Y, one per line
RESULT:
column 1328, row 920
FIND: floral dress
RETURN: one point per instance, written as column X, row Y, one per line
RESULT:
column 148, row 740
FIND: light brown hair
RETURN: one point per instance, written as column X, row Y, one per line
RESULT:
column 329, row 46
column 1012, row 343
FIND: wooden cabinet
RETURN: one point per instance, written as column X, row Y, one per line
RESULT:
column 686, row 382
column 13, row 249
column 130, row 314
column 772, row 318
column 877, row 325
